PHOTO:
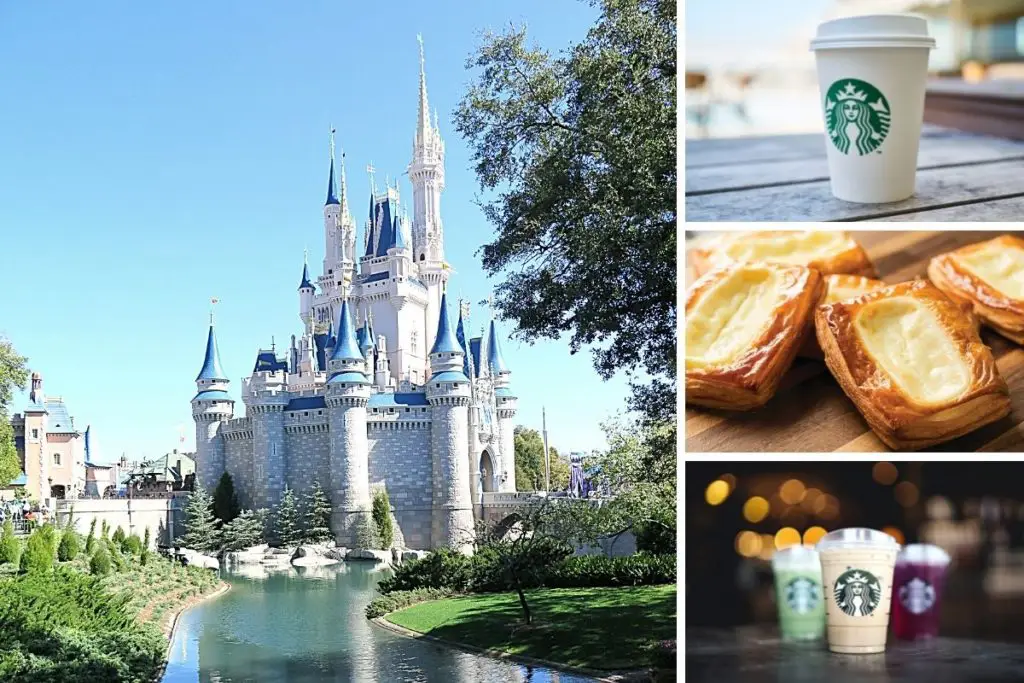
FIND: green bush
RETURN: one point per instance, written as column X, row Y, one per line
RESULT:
column 443, row 568
column 90, row 540
column 38, row 555
column 400, row 599
column 100, row 563
column 52, row 536
column 132, row 545
column 116, row 558
column 382, row 519
column 10, row 548
column 69, row 546
column 118, row 536
column 587, row 571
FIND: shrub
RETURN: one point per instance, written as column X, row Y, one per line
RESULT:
column 225, row 500
column 400, row 599
column 38, row 555
column 443, row 568
column 145, row 539
column 52, row 536
column 382, row 519
column 588, row 571
column 69, row 546
column 366, row 532
column 318, row 515
column 10, row 548
column 118, row 536
column 100, row 563
column 132, row 545
column 116, row 558
column 90, row 540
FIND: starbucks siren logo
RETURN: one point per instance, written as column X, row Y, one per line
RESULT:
column 857, row 116
column 857, row 593
column 802, row 595
column 917, row 596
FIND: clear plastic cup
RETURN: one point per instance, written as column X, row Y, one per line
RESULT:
column 857, row 571
column 872, row 72
column 798, row 593
column 918, row 581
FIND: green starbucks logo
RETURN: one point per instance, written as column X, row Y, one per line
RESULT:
column 802, row 595
column 857, row 116
column 857, row 592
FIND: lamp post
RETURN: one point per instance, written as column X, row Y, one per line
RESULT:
column 547, row 458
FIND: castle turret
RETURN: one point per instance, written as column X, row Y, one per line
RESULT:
column 506, row 406
column 382, row 371
column 332, row 219
column 348, row 391
column 366, row 345
column 211, row 407
column 448, row 393
column 306, row 292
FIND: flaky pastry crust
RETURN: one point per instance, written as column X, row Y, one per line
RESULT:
column 836, row 288
column 1000, row 311
column 750, row 377
column 850, row 258
column 900, row 419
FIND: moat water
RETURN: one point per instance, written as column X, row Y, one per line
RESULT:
column 307, row 625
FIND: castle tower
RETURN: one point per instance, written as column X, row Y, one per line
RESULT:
column 348, row 391
column 306, row 292
column 332, row 220
column 211, row 406
column 426, row 173
column 265, row 401
column 506, row 405
column 37, row 460
column 448, row 393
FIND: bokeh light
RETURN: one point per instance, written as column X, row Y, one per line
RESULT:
column 906, row 494
column 748, row 543
column 767, row 550
column 794, row 516
column 792, row 491
column 939, row 507
column 813, row 534
column 716, row 492
column 811, row 497
column 831, row 508
column 895, row 533
column 755, row 509
column 786, row 537
column 885, row 473
column 730, row 480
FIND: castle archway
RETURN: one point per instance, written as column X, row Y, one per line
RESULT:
column 486, row 472
column 510, row 522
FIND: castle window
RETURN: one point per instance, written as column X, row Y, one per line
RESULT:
column 56, row 459
column 35, row 433
column 319, row 412
column 375, row 410
column 305, row 414
column 407, row 410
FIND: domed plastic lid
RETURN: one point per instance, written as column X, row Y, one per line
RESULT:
column 873, row 30
column 924, row 553
column 856, row 538
column 796, row 557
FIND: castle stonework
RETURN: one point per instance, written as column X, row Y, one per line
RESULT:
column 402, row 401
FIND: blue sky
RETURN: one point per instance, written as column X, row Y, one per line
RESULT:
column 157, row 154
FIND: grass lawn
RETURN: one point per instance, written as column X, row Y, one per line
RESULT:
column 597, row 628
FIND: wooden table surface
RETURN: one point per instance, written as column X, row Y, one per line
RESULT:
column 960, row 177
column 811, row 413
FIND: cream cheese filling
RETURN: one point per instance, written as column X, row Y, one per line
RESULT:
column 797, row 248
column 731, row 315
column 1000, row 266
column 906, row 338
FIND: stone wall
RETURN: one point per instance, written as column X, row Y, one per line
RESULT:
column 400, row 461
column 164, row 517
column 238, row 460
column 308, row 449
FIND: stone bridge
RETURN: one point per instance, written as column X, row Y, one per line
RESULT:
column 500, row 507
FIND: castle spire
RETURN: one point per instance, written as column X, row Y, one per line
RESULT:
column 305, row 283
column 211, row 363
column 332, row 188
column 460, row 335
column 347, row 348
column 495, row 360
column 423, row 122
column 344, row 186
column 444, row 340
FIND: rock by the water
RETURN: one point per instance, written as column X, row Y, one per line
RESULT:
column 197, row 559
column 312, row 555
column 409, row 555
column 369, row 554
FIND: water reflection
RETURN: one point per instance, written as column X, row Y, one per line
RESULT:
column 307, row 625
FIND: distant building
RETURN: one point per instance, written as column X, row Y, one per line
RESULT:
column 973, row 30
column 173, row 471
column 51, row 450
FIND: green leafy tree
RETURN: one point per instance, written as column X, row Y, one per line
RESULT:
column 39, row 554
column 132, row 545
column 146, row 539
column 104, row 530
column 245, row 530
column 13, row 375
column 529, row 456
column 118, row 536
column 289, row 534
column 202, row 532
column 90, row 540
column 69, row 546
column 318, row 515
column 99, row 564
column 10, row 548
column 381, row 513
column 578, row 154
column 225, row 500
column 10, row 464
column 52, row 536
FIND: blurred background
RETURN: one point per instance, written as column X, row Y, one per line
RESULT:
column 739, row 514
column 749, row 70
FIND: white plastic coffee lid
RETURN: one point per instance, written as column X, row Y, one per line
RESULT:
column 857, row 537
column 924, row 553
column 873, row 30
column 796, row 557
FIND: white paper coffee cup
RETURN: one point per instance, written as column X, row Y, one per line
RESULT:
column 872, row 72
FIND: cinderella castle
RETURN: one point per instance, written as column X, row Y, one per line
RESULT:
column 381, row 389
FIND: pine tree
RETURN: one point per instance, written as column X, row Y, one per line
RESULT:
column 10, row 548
column 90, row 540
column 318, row 516
column 69, row 546
column 225, row 500
column 382, row 519
column 288, row 532
column 38, row 555
column 118, row 536
column 202, row 533
column 245, row 530
column 145, row 539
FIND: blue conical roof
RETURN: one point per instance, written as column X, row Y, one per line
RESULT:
column 460, row 335
column 369, row 230
column 346, row 348
column 399, row 235
column 305, row 277
column 387, row 235
column 367, row 341
column 332, row 188
column 494, row 358
column 211, row 364
column 445, row 341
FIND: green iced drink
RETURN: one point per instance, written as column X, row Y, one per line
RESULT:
column 798, row 593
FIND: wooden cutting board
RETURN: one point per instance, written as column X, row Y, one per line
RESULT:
column 811, row 413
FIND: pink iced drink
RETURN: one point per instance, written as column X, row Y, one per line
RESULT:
column 918, row 580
